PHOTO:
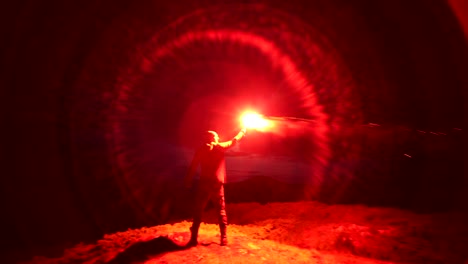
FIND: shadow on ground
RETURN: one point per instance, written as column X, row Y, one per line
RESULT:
column 143, row 250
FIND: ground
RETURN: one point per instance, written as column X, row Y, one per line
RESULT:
column 299, row 232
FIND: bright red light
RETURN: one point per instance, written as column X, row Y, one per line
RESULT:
column 252, row 120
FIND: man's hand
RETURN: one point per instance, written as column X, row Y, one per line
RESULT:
column 244, row 130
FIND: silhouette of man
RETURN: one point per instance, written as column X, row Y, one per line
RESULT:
column 210, row 157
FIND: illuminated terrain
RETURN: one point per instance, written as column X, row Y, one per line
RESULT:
column 301, row 232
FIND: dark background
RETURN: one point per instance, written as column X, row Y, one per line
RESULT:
column 62, row 181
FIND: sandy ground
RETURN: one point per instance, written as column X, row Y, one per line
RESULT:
column 300, row 232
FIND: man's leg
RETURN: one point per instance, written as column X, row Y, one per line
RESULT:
column 222, row 217
column 201, row 199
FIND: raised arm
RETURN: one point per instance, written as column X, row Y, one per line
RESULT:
column 233, row 141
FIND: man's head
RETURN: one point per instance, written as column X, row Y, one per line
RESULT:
column 211, row 137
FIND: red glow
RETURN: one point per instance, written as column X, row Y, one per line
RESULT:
column 252, row 120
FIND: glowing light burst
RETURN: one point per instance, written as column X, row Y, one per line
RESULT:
column 252, row 120
column 310, row 82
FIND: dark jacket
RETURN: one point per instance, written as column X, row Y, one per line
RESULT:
column 210, row 157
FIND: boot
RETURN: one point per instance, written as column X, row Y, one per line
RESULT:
column 223, row 231
column 193, row 237
column 224, row 241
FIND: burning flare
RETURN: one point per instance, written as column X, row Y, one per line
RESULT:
column 252, row 120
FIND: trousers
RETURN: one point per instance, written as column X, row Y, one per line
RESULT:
column 209, row 190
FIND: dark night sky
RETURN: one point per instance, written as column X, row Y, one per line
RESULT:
column 101, row 103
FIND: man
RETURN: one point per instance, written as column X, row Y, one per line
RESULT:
column 210, row 157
